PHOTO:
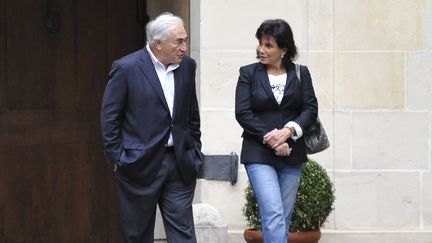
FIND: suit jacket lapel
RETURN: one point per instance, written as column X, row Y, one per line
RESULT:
column 262, row 79
column 150, row 74
column 290, row 78
column 178, row 84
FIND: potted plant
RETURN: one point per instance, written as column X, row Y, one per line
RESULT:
column 313, row 205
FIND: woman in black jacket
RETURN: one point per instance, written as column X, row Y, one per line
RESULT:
column 274, row 108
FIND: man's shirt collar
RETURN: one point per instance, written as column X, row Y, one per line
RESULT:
column 157, row 63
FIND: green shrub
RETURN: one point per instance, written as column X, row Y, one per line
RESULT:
column 313, row 204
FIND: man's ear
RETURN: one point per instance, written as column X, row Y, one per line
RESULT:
column 158, row 44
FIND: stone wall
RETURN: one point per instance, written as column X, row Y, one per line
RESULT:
column 370, row 61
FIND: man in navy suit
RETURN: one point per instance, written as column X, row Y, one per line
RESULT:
column 151, row 131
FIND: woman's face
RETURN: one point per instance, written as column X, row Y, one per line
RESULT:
column 269, row 52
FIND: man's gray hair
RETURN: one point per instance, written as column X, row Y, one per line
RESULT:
column 158, row 29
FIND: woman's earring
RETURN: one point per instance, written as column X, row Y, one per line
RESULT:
column 283, row 54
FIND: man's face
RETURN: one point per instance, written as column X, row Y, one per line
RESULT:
column 173, row 50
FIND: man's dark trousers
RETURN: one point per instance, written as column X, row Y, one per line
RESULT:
column 138, row 205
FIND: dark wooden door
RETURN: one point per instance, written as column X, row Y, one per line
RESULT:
column 55, row 184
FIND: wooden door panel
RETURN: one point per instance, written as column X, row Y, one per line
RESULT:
column 2, row 56
column 40, row 65
column 53, row 195
column 92, row 55
column 54, row 189
column 121, row 26
column 36, row 131
column 54, row 180
column 55, row 184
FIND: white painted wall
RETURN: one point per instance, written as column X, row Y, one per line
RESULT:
column 370, row 61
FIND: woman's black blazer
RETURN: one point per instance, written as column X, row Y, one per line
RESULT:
column 258, row 112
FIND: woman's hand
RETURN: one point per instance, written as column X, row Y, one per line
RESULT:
column 277, row 137
column 283, row 150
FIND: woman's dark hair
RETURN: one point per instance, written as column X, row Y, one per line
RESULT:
column 281, row 31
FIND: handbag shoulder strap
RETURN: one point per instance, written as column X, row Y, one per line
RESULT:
column 297, row 69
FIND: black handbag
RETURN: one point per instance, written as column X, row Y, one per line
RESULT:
column 315, row 137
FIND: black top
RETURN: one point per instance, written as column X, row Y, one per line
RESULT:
column 258, row 112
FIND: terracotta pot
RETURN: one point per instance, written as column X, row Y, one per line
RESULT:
column 252, row 236
column 313, row 236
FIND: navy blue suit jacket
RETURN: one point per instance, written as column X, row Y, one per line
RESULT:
column 136, row 122
column 258, row 112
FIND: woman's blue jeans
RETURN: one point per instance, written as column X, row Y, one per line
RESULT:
column 275, row 188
